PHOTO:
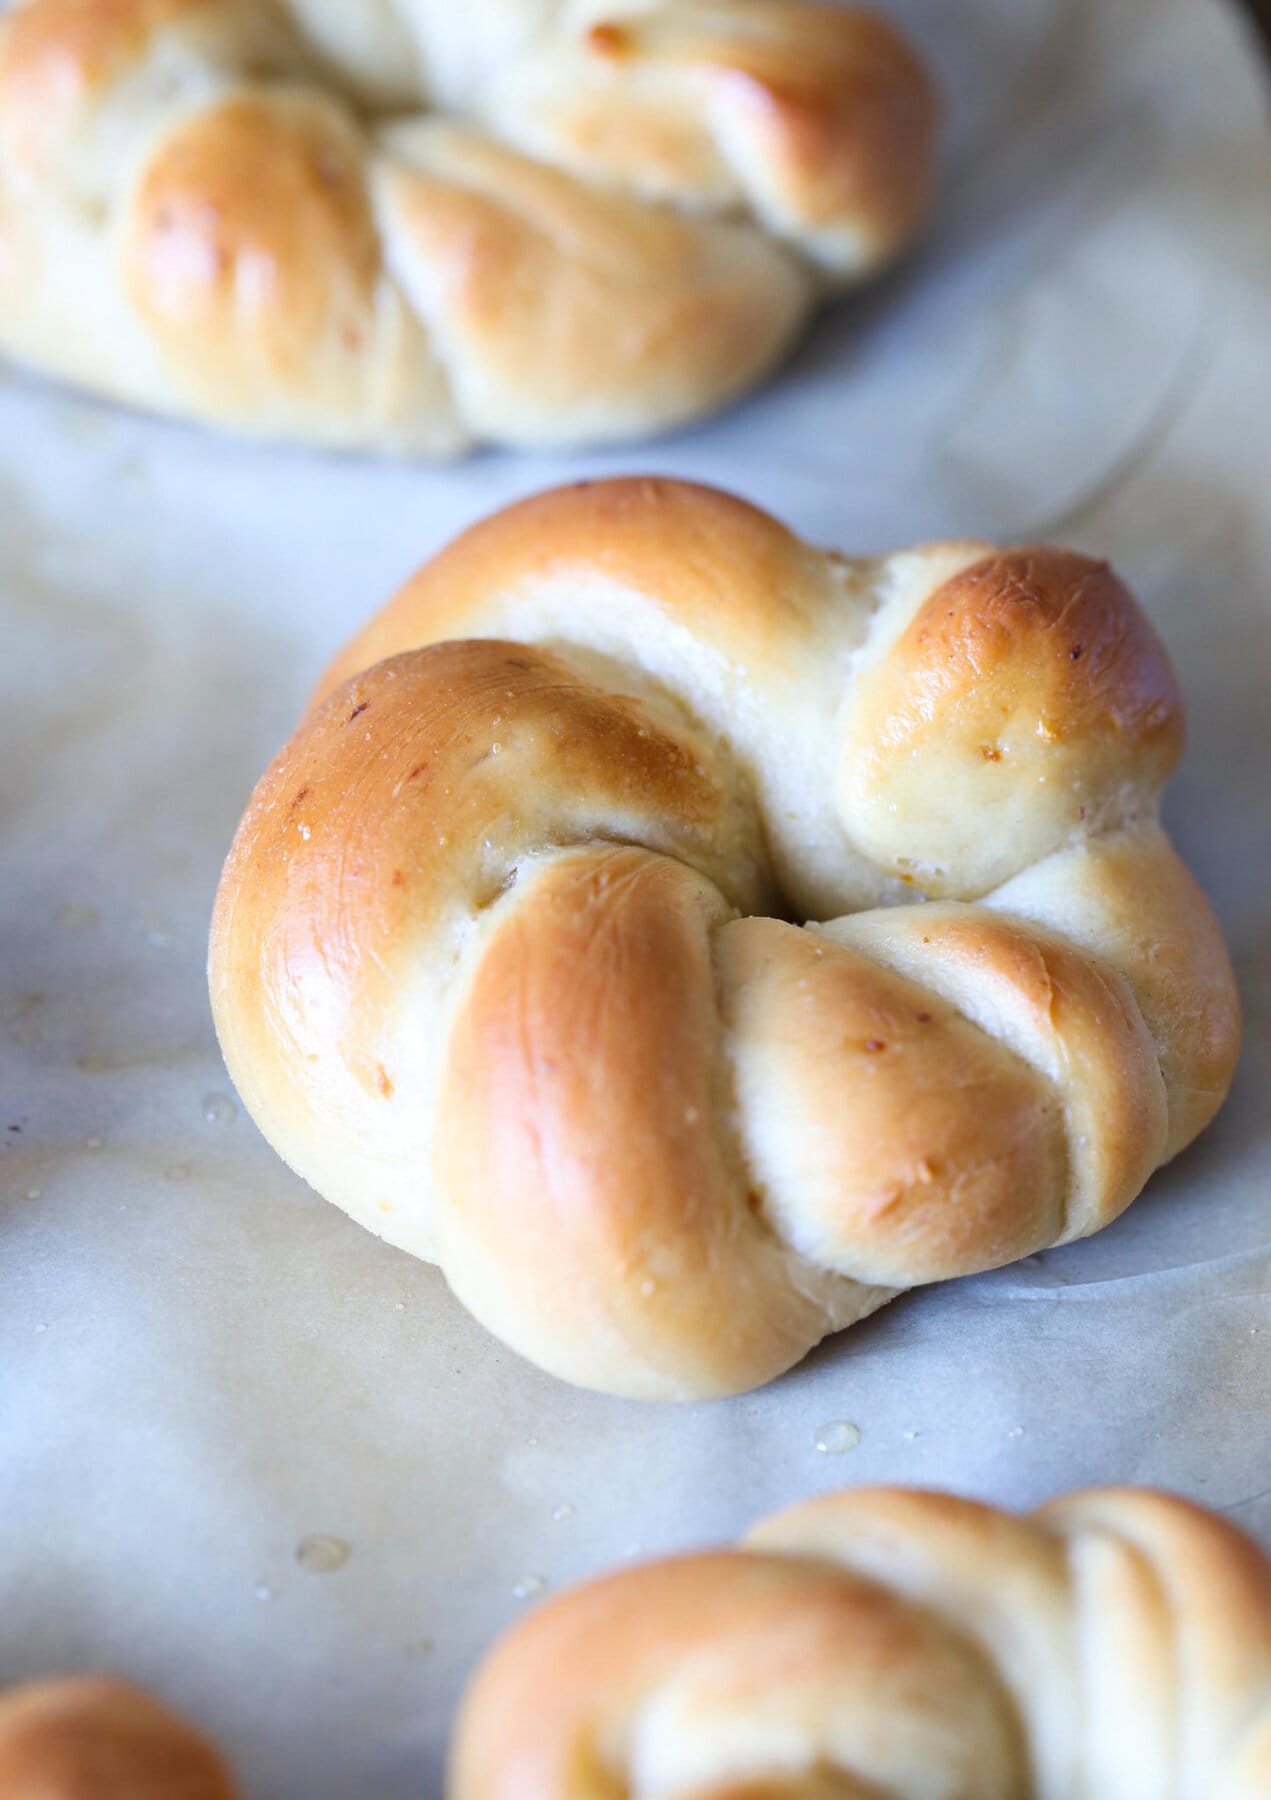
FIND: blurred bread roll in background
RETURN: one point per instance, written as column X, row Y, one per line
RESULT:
column 94, row 1739
column 588, row 223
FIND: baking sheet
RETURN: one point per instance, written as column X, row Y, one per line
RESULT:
column 203, row 1364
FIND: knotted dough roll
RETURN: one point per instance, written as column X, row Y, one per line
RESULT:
column 691, row 939
column 613, row 218
column 887, row 1644
column 92, row 1739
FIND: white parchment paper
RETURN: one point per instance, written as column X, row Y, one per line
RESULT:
column 202, row 1364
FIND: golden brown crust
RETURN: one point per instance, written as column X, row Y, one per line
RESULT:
column 53, row 54
column 890, row 1137
column 429, row 746
column 1044, row 644
column 252, row 252
column 487, row 970
column 1070, row 1015
column 93, row 1739
column 1127, row 898
column 477, row 235
column 856, row 124
column 847, row 120
column 823, row 114
column 892, row 1642
column 736, row 1629
column 294, row 266
column 453, row 724
column 638, row 1251
column 707, row 560
column 1031, row 673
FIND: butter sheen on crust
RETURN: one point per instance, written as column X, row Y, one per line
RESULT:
column 512, row 956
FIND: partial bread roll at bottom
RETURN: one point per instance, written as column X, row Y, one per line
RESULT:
column 892, row 1644
column 92, row 1739
column 690, row 938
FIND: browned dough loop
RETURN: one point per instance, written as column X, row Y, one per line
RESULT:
column 508, row 961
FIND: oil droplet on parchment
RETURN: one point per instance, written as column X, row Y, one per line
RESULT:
column 156, row 931
column 24, row 1010
column 74, row 917
column 219, row 1109
column 322, row 1554
column 528, row 1586
column 563, row 1511
column 837, row 1438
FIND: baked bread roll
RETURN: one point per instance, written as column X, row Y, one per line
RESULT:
column 886, row 1644
column 510, row 960
column 612, row 218
column 92, row 1739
